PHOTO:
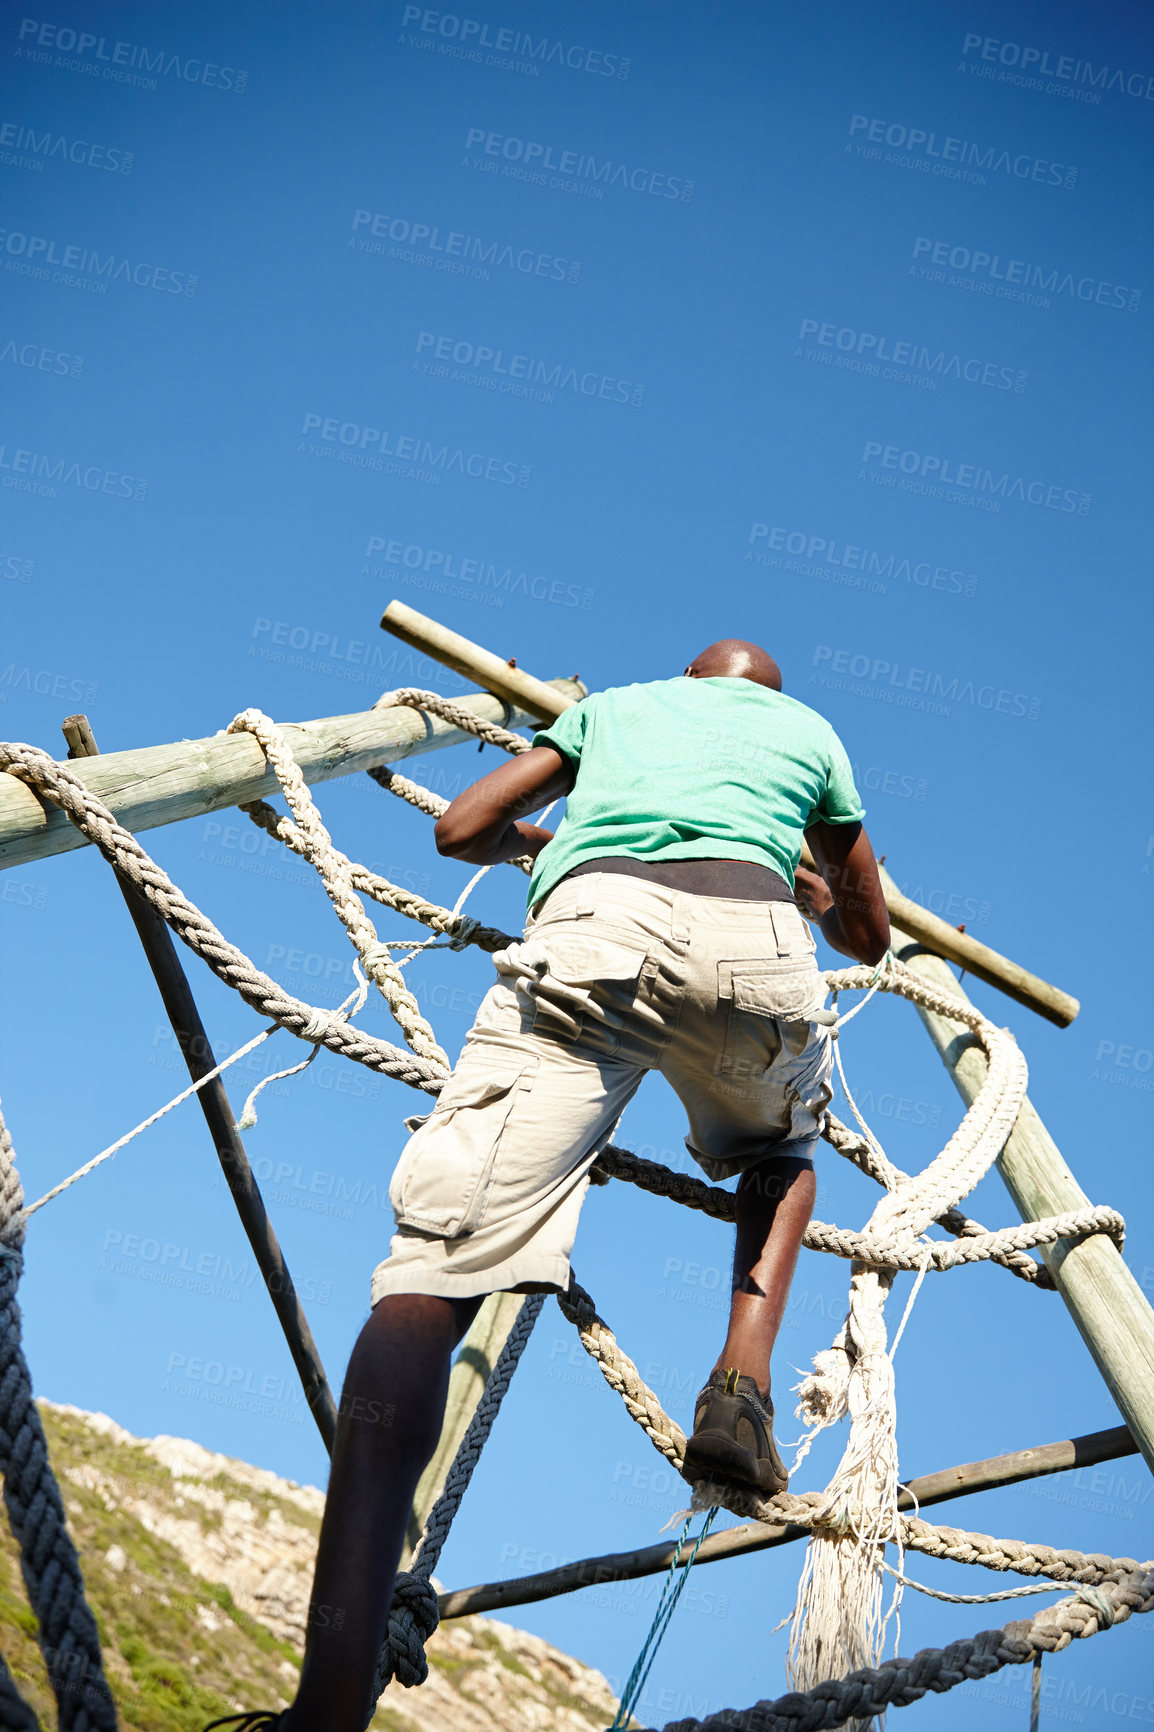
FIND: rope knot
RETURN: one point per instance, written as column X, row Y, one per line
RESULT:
column 413, row 1618
column 466, row 927
column 1101, row 1604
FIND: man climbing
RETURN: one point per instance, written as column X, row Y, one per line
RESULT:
column 663, row 935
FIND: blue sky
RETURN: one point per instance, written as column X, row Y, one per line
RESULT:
column 823, row 326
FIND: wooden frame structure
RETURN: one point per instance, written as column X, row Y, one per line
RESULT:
column 160, row 784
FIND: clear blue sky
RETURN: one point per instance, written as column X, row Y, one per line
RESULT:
column 847, row 351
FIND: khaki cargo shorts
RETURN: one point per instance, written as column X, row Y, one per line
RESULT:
column 616, row 976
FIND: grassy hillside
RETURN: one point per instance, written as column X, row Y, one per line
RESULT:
column 198, row 1569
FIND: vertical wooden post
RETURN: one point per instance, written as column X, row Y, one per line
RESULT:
column 180, row 1005
column 479, row 1353
column 1111, row 1311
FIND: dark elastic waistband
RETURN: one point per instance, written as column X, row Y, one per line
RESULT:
column 737, row 880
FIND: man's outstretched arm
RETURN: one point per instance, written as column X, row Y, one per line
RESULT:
column 847, row 900
column 481, row 827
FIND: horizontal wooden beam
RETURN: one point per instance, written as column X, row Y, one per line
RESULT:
column 976, row 958
column 161, row 784
column 479, row 664
column 932, row 1488
column 543, row 700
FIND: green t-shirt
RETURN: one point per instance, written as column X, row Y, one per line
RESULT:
column 684, row 769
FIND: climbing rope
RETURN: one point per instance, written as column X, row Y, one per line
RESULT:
column 60, row 784
column 66, row 1629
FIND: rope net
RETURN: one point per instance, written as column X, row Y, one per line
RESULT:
column 838, row 1624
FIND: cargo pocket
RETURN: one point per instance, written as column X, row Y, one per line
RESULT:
column 764, row 999
column 579, row 982
column 443, row 1177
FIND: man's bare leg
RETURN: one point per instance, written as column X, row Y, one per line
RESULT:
column 774, row 1203
column 392, row 1406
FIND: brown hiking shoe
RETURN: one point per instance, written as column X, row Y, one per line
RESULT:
column 733, row 1435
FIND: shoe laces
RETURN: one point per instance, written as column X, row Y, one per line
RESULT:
column 252, row 1720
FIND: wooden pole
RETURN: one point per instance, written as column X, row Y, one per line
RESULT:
column 976, row 958
column 160, row 784
column 932, row 1488
column 476, row 663
column 468, row 658
column 479, row 1353
column 214, row 1104
column 1110, row 1309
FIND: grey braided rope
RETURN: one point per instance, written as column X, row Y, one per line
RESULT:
column 414, row 1613
column 1006, row 1246
column 897, row 1683
column 459, row 928
column 121, row 849
column 15, row 1713
column 67, row 1630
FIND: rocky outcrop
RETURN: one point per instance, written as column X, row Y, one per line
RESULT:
column 199, row 1568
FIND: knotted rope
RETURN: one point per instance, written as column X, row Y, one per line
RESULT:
column 48, row 1562
column 1006, row 1246
column 333, row 868
column 60, row 784
column 838, row 1624
column 1026, row 1558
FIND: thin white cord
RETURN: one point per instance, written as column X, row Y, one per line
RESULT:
column 973, row 1599
column 114, row 1148
column 910, row 1301
column 350, row 1007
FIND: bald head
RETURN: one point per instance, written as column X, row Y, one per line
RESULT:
column 732, row 658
